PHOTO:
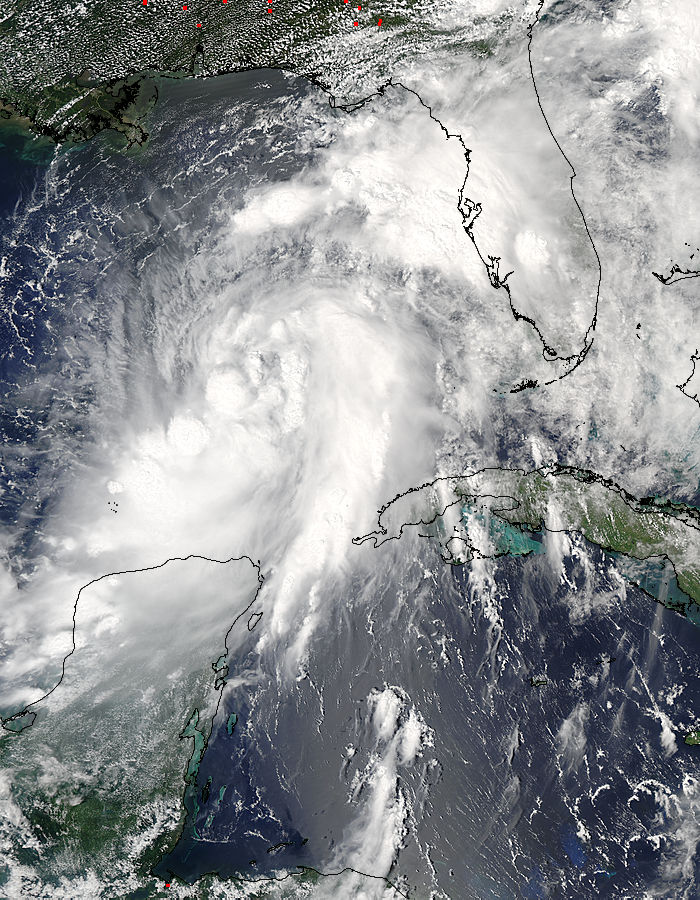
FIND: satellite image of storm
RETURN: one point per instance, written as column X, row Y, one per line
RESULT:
column 350, row 462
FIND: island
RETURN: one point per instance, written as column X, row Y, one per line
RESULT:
column 506, row 512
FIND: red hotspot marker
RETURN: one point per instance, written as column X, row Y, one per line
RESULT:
column 379, row 23
column 355, row 23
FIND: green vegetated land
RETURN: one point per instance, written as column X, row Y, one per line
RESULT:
column 69, row 71
column 74, row 72
column 498, row 512
column 693, row 737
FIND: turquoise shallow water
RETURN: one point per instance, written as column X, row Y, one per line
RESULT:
column 23, row 158
column 657, row 577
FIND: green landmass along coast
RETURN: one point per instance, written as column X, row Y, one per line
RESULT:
column 70, row 71
column 693, row 737
column 497, row 512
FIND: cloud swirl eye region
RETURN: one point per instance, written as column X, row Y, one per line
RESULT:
column 225, row 348
column 233, row 367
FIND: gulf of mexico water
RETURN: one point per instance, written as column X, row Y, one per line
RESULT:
column 504, row 729
column 551, row 759
column 25, row 158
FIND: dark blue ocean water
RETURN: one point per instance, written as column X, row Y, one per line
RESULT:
column 24, row 158
column 547, row 763
column 76, row 227
column 24, row 163
column 551, row 778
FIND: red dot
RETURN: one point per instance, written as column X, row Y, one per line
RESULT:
column 379, row 23
column 355, row 23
